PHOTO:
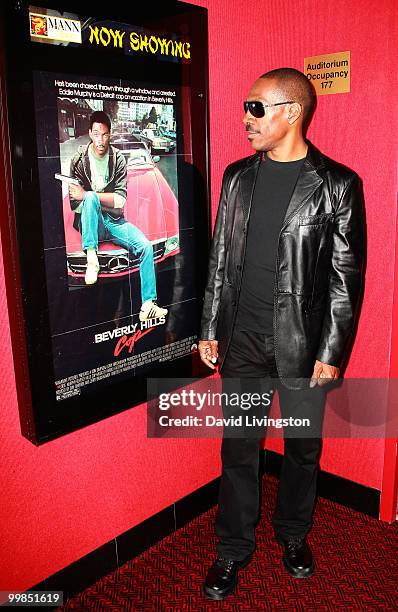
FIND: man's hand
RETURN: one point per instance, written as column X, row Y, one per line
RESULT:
column 323, row 373
column 77, row 192
column 208, row 351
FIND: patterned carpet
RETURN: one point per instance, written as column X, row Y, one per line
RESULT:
column 356, row 556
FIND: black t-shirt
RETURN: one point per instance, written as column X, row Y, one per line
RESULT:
column 272, row 193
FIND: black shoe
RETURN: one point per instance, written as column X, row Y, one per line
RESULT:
column 297, row 557
column 222, row 577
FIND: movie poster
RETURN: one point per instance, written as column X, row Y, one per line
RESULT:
column 99, row 326
column 110, row 222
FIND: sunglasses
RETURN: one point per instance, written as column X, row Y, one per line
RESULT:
column 257, row 108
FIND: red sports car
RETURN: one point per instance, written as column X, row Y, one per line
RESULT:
column 151, row 206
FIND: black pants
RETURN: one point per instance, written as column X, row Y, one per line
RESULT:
column 251, row 359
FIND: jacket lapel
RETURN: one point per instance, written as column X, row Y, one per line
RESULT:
column 247, row 183
column 307, row 183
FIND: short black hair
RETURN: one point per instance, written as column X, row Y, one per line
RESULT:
column 295, row 86
column 100, row 117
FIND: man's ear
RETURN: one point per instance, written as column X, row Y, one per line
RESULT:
column 294, row 113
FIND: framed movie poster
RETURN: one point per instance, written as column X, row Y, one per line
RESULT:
column 108, row 223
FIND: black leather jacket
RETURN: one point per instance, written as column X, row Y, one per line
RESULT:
column 80, row 169
column 319, row 264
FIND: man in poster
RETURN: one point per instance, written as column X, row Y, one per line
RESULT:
column 281, row 302
column 98, row 203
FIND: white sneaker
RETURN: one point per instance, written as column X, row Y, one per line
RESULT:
column 150, row 310
column 91, row 275
column 92, row 268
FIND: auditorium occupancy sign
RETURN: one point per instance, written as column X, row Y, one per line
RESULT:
column 330, row 74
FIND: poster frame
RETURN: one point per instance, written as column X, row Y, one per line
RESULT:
column 41, row 417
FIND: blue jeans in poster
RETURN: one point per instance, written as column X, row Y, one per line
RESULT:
column 97, row 226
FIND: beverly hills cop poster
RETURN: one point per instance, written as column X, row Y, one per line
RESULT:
column 118, row 207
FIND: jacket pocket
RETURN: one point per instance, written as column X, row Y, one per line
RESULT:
column 315, row 219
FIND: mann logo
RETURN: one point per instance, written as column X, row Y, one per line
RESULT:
column 55, row 28
column 38, row 26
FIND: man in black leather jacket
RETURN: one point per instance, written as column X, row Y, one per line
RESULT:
column 281, row 304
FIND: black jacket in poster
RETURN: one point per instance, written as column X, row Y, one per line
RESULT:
column 80, row 169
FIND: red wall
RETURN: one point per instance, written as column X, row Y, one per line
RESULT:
column 358, row 129
column 66, row 498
